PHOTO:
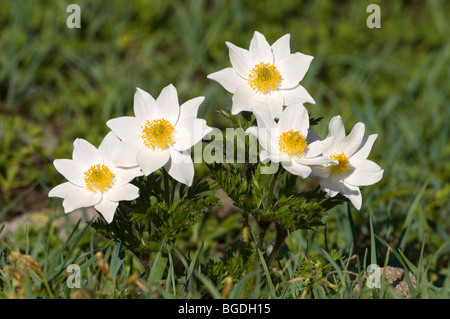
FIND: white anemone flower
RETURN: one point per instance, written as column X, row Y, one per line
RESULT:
column 160, row 134
column 290, row 141
column 94, row 179
column 265, row 77
column 353, row 169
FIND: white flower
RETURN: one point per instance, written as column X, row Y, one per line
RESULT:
column 93, row 179
column 353, row 169
column 265, row 77
column 160, row 134
column 290, row 142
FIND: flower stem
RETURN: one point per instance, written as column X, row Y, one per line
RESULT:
column 281, row 236
column 172, row 195
column 166, row 187
column 262, row 235
column 245, row 215
column 263, row 226
column 352, row 227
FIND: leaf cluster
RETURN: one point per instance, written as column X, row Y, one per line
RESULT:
column 315, row 271
column 159, row 214
column 236, row 262
column 252, row 193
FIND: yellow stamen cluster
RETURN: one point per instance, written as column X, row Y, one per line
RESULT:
column 292, row 142
column 98, row 178
column 342, row 166
column 158, row 134
column 264, row 77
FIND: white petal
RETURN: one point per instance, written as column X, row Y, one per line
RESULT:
column 264, row 156
column 273, row 101
column 281, row 48
column 144, row 106
column 297, row 94
column 151, row 160
column 181, row 167
column 190, row 108
column 107, row 209
column 71, row 170
column 107, row 146
column 189, row 132
column 293, row 68
column 278, row 158
column 336, row 128
column 252, row 131
column 365, row 173
column 296, row 168
column 124, row 126
column 283, row 157
column 264, row 119
column 62, row 190
column 294, row 117
column 246, row 99
column 241, row 99
column 80, row 197
column 265, row 139
column 268, row 131
column 320, row 171
column 86, row 153
column 228, row 78
column 364, row 150
column 354, row 195
column 240, row 60
column 126, row 175
column 126, row 192
column 334, row 185
column 260, row 49
column 276, row 102
column 352, row 142
column 318, row 147
column 125, row 153
column 318, row 160
column 332, row 193
column 330, row 185
column 167, row 105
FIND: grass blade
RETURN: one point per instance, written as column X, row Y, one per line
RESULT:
column 208, row 285
column 266, row 272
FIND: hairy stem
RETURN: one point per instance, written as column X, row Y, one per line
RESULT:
column 263, row 226
column 172, row 195
column 281, row 236
column 352, row 227
column 166, row 187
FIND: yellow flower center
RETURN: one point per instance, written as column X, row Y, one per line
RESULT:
column 98, row 178
column 158, row 133
column 292, row 142
column 342, row 166
column 264, row 77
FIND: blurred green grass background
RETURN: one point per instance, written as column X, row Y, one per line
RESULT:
column 57, row 84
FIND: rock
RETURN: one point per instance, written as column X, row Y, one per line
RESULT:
column 396, row 277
